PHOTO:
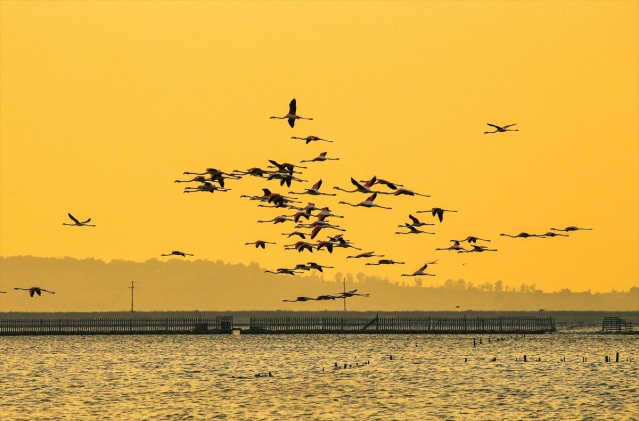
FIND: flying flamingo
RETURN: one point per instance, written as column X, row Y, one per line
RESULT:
column 325, row 212
column 300, row 246
column 313, row 265
column 206, row 187
column 321, row 158
column 476, row 249
column 501, row 129
column 301, row 214
column 365, row 255
column 285, row 167
column 299, row 299
column 523, row 235
column 414, row 222
column 413, row 230
column 35, row 290
column 259, row 243
column 405, row 192
column 283, row 271
column 456, row 247
column 385, row 262
column 368, row 203
column 78, row 223
column 341, row 243
column 310, row 139
column 419, row 272
column 255, row 172
column 177, row 253
column 314, row 190
column 554, row 234
column 215, row 175
column 389, row 184
column 328, row 245
column 284, row 177
column 198, row 178
column 351, row 293
column 437, row 211
column 325, row 297
column 470, row 239
column 361, row 188
column 300, row 234
column 571, row 228
column 277, row 220
column 292, row 116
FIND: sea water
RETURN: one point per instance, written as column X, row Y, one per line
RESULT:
column 320, row 377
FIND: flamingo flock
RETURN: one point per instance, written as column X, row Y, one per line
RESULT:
column 213, row 180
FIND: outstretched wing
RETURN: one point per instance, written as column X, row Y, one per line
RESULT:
column 73, row 218
column 412, row 218
column 356, row 184
column 492, row 125
column 292, row 107
column 87, row 221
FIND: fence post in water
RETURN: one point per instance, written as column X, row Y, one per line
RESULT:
column 525, row 360
column 617, row 359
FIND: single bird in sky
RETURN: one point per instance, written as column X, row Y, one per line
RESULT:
column 414, row 222
column 309, row 139
column 571, row 228
column 277, row 220
column 35, row 290
column 314, row 190
column 292, row 114
column 259, row 243
column 405, row 192
column 419, row 272
column 198, row 178
column 368, row 203
column 320, row 158
column 300, row 234
column 77, row 223
column 205, row 187
column 177, row 253
column 501, row 129
column 439, row 212
column 554, row 234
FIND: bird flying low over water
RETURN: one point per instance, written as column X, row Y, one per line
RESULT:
column 177, row 253
column 78, row 223
column 310, row 139
column 501, row 129
column 35, row 290
column 292, row 114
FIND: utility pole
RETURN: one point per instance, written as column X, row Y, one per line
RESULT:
column 132, row 288
column 344, row 298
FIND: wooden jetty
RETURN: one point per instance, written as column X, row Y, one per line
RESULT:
column 276, row 325
column 616, row 325
column 116, row 326
column 401, row 325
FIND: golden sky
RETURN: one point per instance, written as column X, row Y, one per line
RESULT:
column 105, row 104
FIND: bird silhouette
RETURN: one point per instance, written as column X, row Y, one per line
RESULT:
column 352, row 293
column 571, row 228
column 35, row 290
column 413, row 230
column 177, row 253
column 292, row 114
column 314, row 190
column 501, row 129
column 470, row 239
column 321, row 158
column 522, row 235
column 476, row 249
column 259, row 243
column 309, row 139
column 298, row 299
column 365, row 255
column 419, row 272
column 385, row 262
column 439, row 212
column 361, row 188
column 313, row 265
column 77, row 223
column 368, row 203
column 455, row 247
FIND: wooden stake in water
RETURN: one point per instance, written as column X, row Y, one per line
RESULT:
column 344, row 295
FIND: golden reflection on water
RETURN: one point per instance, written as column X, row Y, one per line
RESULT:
column 214, row 377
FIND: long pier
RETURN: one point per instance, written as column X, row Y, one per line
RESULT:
column 277, row 325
